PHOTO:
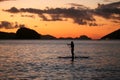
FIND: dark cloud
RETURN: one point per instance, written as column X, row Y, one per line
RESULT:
column 110, row 0
column 56, row 17
column 79, row 6
column 44, row 18
column 8, row 25
column 30, row 10
column 31, row 16
column 93, row 24
column 109, row 10
column 5, row 24
column 111, row 5
column 80, row 15
column 13, row 10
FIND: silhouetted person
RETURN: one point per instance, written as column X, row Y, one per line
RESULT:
column 72, row 49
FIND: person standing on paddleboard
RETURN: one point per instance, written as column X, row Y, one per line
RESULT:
column 72, row 49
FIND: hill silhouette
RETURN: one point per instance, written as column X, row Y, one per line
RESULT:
column 26, row 33
column 112, row 36
column 83, row 37
column 47, row 37
column 5, row 35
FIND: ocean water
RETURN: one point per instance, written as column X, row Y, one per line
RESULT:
column 39, row 60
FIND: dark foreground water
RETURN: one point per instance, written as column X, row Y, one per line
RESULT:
column 38, row 60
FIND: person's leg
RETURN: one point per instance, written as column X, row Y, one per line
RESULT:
column 72, row 54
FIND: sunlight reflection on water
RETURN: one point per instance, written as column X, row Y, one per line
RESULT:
column 38, row 60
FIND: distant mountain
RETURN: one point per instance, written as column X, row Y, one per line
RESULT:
column 4, row 35
column 67, row 38
column 26, row 33
column 83, row 37
column 112, row 36
column 47, row 37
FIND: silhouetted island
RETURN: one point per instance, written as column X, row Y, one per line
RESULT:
column 112, row 36
column 26, row 33
column 47, row 37
column 67, row 38
column 83, row 37
column 5, row 35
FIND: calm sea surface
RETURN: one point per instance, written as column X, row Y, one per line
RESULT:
column 38, row 60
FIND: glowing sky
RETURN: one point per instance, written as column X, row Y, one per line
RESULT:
column 68, row 26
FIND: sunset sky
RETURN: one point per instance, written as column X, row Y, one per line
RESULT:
column 61, row 18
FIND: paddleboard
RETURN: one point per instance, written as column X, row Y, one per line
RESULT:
column 68, row 57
